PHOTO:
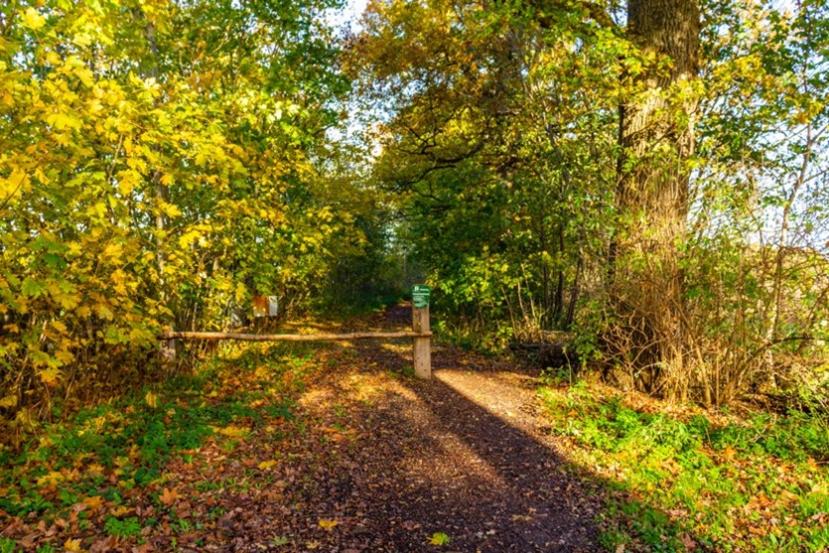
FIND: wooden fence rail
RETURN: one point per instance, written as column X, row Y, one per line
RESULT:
column 185, row 335
column 420, row 335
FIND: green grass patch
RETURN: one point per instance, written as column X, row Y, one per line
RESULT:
column 111, row 448
column 756, row 485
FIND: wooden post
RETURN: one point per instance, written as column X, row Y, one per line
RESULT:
column 167, row 352
column 421, row 345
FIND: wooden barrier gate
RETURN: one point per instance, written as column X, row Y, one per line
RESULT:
column 420, row 334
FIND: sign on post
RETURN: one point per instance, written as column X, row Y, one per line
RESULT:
column 420, row 295
column 421, row 347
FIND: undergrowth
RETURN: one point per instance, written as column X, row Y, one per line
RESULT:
column 105, row 453
column 683, row 482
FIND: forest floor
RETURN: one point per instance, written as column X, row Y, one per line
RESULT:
column 339, row 448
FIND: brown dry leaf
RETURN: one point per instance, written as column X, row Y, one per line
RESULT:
column 168, row 496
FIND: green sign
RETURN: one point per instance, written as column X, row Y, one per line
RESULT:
column 420, row 295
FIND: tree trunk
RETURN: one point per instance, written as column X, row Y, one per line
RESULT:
column 657, row 138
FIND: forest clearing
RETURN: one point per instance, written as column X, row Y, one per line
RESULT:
column 414, row 275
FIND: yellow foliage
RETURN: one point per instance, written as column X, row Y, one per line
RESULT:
column 32, row 19
column 50, row 376
column 232, row 431
column 151, row 400
column 50, row 480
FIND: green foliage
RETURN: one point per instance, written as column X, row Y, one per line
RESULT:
column 7, row 545
column 503, row 151
column 125, row 528
column 752, row 484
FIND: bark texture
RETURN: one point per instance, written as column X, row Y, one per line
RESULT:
column 657, row 138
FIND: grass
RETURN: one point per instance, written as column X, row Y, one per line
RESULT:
column 683, row 482
column 106, row 453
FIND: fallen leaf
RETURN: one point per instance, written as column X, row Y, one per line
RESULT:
column 120, row 511
column 232, row 431
column 94, row 502
column 280, row 540
column 168, row 496
column 151, row 399
column 440, row 538
column 265, row 465
column 327, row 524
column 72, row 545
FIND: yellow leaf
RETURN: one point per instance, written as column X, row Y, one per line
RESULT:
column 50, row 480
column 50, row 376
column 327, row 524
column 72, row 545
column 266, row 465
column 151, row 399
column 94, row 502
column 13, row 184
column 113, row 251
column 83, row 74
column 32, row 19
column 63, row 121
column 103, row 311
column 233, row 431
column 8, row 401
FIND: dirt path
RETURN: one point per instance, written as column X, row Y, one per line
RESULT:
column 404, row 459
column 336, row 449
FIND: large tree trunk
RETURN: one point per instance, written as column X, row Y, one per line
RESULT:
column 656, row 135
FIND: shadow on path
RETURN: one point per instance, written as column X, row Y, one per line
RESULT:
column 462, row 455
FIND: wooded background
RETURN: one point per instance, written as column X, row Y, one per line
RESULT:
column 651, row 177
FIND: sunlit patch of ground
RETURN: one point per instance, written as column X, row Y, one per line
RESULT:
column 686, row 480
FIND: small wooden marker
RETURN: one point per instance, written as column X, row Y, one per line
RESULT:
column 421, row 345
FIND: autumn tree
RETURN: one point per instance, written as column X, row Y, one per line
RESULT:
column 656, row 134
column 159, row 164
column 576, row 166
